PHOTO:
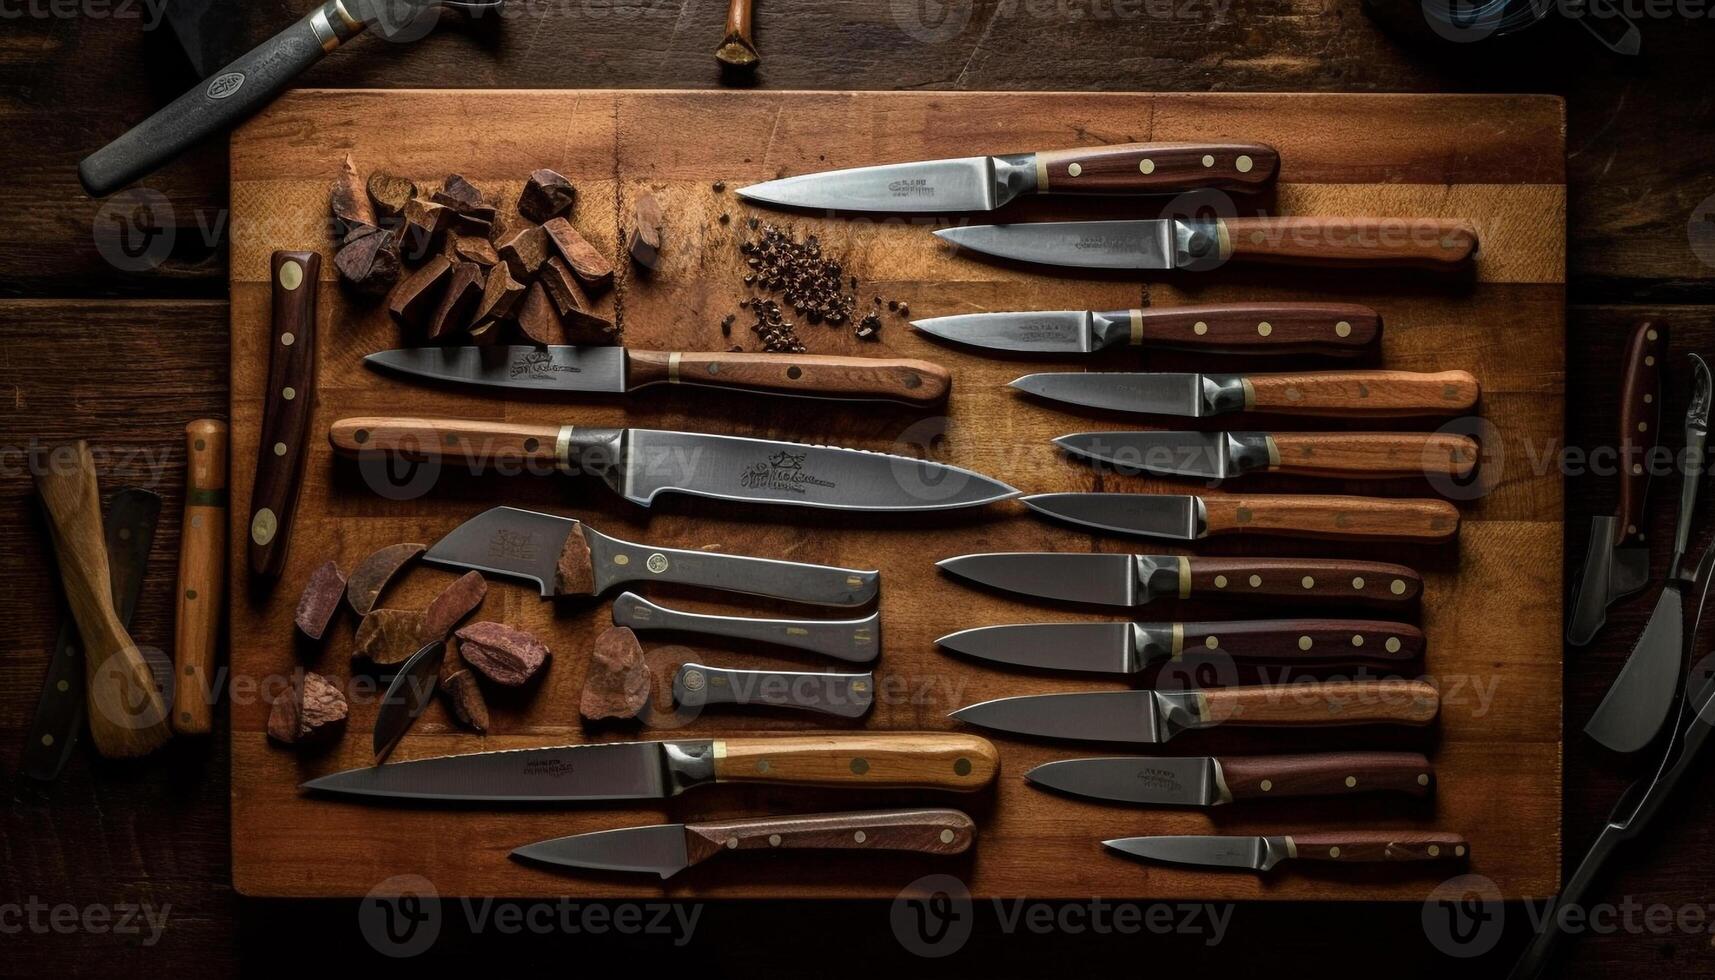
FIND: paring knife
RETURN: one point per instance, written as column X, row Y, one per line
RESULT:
column 1323, row 394
column 1137, row 580
column 130, row 524
column 1183, row 517
column 1152, row 717
column 840, row 695
column 988, row 182
column 1263, row 853
column 668, row 849
column 640, row 463
column 854, row 640
column 407, row 695
column 287, row 406
column 658, row 770
column 1132, row 648
column 615, row 370
column 1616, row 560
column 202, row 577
column 1173, row 243
column 1330, row 329
column 1209, row 781
column 1638, row 703
column 1335, row 455
column 568, row 557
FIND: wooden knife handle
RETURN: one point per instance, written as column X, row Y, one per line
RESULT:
column 1256, row 777
column 1429, row 243
column 1380, row 846
column 1308, row 578
column 287, row 406
column 839, row 695
column 926, row 831
column 127, row 717
column 824, row 375
column 1361, row 394
column 1156, row 168
column 202, row 576
column 910, row 760
column 1373, row 454
column 1640, row 425
column 470, row 440
column 1258, row 328
column 1395, row 702
column 1339, row 640
column 1335, row 518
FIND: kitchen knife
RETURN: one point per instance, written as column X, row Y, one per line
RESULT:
column 658, row 770
column 1137, row 580
column 202, row 577
column 668, row 849
column 130, row 525
column 1637, row 704
column 1132, row 648
column 1330, row 329
column 986, row 183
column 287, row 405
column 408, row 693
column 1263, row 853
column 1182, row 517
column 1616, row 560
column 1323, row 394
column 568, row 557
column 840, row 695
column 854, row 640
column 1209, row 781
column 1200, row 244
column 1152, row 717
column 615, row 370
column 640, row 463
column 1334, row 455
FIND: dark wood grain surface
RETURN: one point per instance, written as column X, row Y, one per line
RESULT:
column 124, row 351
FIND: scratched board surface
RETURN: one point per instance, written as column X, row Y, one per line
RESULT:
column 1491, row 606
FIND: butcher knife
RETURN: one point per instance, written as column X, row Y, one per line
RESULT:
column 1332, row 455
column 1132, row 648
column 1263, row 853
column 1209, row 781
column 1328, row 329
column 1322, row 394
column 1183, row 517
column 1137, row 580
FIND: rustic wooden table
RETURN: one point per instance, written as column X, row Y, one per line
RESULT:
column 113, row 327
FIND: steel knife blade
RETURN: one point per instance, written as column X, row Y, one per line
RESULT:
column 1132, row 648
column 407, row 695
column 1209, row 781
column 1333, row 455
column 1264, row 853
column 1331, row 329
column 852, row 640
column 1183, row 517
column 565, row 556
column 840, row 695
column 1322, row 394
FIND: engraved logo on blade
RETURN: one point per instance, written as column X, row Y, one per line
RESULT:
column 539, row 364
column 551, row 768
column 911, row 187
column 1159, row 779
column 1046, row 331
column 225, row 85
column 511, row 546
column 1105, row 243
column 783, row 472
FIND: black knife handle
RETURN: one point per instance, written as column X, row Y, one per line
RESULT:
column 235, row 92
column 287, row 406
column 840, row 695
column 1640, row 427
column 616, row 561
column 854, row 640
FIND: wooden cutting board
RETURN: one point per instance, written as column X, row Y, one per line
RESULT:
column 1492, row 603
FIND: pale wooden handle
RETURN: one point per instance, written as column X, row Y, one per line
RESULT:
column 1430, row 243
column 1397, row 702
column 1380, row 846
column 918, row 760
column 1374, row 454
column 828, row 376
column 1362, row 394
column 1334, row 518
column 202, row 577
column 466, row 439
column 926, row 831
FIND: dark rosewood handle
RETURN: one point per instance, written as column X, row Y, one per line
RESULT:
column 840, row 695
column 1327, row 774
column 1155, row 168
column 1325, row 703
column 1341, row 329
column 1373, row 454
column 1321, row 640
column 926, row 831
column 287, row 405
column 202, row 577
column 1308, row 578
column 1640, row 418
column 820, row 375
column 1380, row 846
column 470, row 440
column 898, row 760
column 1361, row 394
column 1429, row 243
column 1333, row 518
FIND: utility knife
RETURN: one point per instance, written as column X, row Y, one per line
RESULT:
column 985, row 183
column 1263, row 853
column 407, row 695
column 1322, row 394
column 840, row 695
column 854, row 640
column 1137, row 580
column 1209, row 781
column 1184, row 517
column 1329, row 329
column 1132, row 648
column 1333, row 455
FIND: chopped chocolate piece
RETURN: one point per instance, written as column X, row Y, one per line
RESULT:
column 546, row 196
column 719, row 186
column 390, row 194
column 472, row 248
column 389, row 636
column 320, row 600
column 525, row 252
column 455, row 602
column 418, row 294
column 501, row 295
column 501, row 653
column 537, row 318
column 592, row 268
column 425, row 222
column 581, row 325
column 645, row 242
column 312, row 710
column 461, row 195
column 724, row 218
column 869, row 328
column 463, row 693
column 348, row 200
column 374, row 572
column 617, row 684
column 369, row 262
column 458, row 302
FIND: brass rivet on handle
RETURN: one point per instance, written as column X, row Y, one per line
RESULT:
column 200, row 445
column 860, row 765
column 1649, row 359
column 860, row 836
column 1208, row 161
column 1220, row 581
column 1435, row 850
column 1264, row 328
column 287, row 339
column 1308, row 582
column 1423, row 779
column 1073, row 170
column 1342, row 329
column 1146, row 165
column 1357, row 639
column 1351, row 781
column 961, row 766
column 1392, row 644
column 1212, row 642
column 62, row 687
column 47, row 740
column 732, row 843
column 947, row 836
column 1305, row 643
column 1243, row 164
column 291, row 275
column 1267, row 785
column 288, row 392
column 531, row 445
column 1256, row 581
column 622, row 559
column 1358, row 582
column 1643, row 426
column 773, row 840
column 1199, row 328
column 279, row 449
column 1648, row 399
column 1398, row 587
column 1459, row 850
column 1333, row 852
column 1651, row 334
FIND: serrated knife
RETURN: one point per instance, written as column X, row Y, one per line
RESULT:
column 1331, row 455
column 1184, row 517
column 1328, row 329
column 1323, row 394
column 1207, row 781
column 1132, row 648
column 1264, row 853
column 1137, row 580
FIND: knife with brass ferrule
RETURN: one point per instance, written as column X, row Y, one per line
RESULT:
column 985, row 183
column 1334, row 455
column 1323, row 394
column 1132, row 648
column 287, row 406
column 840, row 695
column 1263, row 853
column 1137, row 580
column 1184, row 517
column 1329, row 329
column 854, row 640
column 1209, row 781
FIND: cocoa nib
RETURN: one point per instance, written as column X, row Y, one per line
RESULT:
column 312, row 709
column 374, row 572
column 455, row 602
column 546, row 196
column 390, row 636
column 320, row 600
column 618, row 682
column 501, row 653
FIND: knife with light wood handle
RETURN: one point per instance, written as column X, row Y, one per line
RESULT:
column 1189, row 517
column 202, row 576
column 287, row 405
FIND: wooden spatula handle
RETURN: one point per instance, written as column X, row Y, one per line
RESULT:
column 1373, row 454
column 1361, row 394
column 916, row 760
column 1380, row 846
column 1336, row 518
column 925, row 831
column 824, row 375
column 468, row 440
column 202, row 576
column 1429, row 243
column 1396, row 702
column 1155, row 168
column 1257, row 777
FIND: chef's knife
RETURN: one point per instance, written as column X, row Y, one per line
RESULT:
column 615, row 370
column 287, row 406
column 408, row 693
column 568, row 557
column 668, row 849
column 1330, row 329
column 1182, row 517
column 1132, row 648
column 658, row 770
column 1173, row 243
column 1209, row 781
column 1323, row 394
column 1639, row 701
column 988, row 182
column 1152, row 717
column 1263, row 853
column 1616, row 560
column 1334, row 455
column 640, row 463
column 1137, row 580
column 840, row 695
column 854, row 640
column 130, row 524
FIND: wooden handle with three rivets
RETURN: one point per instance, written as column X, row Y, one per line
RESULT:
column 1361, row 394
column 815, row 375
column 1323, row 703
column 1156, row 168
column 1260, row 777
column 904, row 760
column 287, row 404
column 202, row 577
column 925, row 831
column 1329, row 329
column 1333, row 518
column 1380, row 846
column 1429, row 243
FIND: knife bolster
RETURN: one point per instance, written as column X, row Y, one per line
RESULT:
column 688, row 764
column 1225, row 394
column 596, row 452
column 1159, row 576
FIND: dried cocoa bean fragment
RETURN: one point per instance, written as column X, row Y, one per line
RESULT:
column 581, row 324
column 313, row 710
column 369, row 262
column 537, row 318
column 455, row 602
column 461, row 195
column 645, row 242
column 373, row 573
column 349, row 201
column 389, row 636
column 501, row 295
column 618, row 682
column 320, row 600
column 472, row 248
column 594, row 271
column 457, row 308
column 524, row 252
column 459, row 686
column 390, row 194
column 418, row 294
column 425, row 223
column 503, row 654
column 546, row 196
